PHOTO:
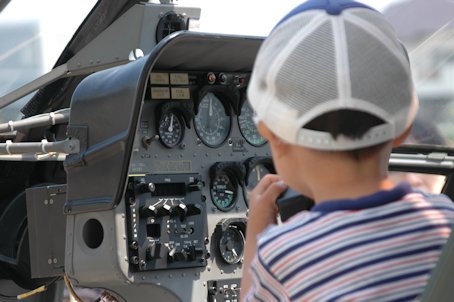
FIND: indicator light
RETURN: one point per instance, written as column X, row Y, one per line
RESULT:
column 238, row 81
column 211, row 77
column 223, row 78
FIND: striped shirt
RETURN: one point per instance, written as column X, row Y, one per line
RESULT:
column 381, row 247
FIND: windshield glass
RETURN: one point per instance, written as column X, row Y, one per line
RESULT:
column 34, row 33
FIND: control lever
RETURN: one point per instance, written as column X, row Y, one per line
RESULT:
column 193, row 209
column 149, row 211
column 179, row 209
column 291, row 202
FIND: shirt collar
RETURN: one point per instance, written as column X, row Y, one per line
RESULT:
column 374, row 200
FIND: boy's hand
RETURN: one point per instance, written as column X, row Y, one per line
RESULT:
column 262, row 213
column 262, row 201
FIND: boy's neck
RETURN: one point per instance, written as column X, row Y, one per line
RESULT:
column 349, row 187
column 338, row 176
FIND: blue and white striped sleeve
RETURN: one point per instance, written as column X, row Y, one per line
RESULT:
column 265, row 287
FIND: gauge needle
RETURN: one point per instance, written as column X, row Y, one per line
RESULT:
column 210, row 113
column 171, row 123
column 234, row 253
column 258, row 174
column 228, row 192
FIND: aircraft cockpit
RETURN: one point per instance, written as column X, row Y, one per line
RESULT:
column 126, row 169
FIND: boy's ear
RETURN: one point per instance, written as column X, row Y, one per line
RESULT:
column 399, row 140
column 276, row 142
column 266, row 132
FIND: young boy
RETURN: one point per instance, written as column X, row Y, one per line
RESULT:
column 333, row 93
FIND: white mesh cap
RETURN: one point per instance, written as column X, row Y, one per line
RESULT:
column 329, row 55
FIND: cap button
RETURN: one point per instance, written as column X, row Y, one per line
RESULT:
column 333, row 7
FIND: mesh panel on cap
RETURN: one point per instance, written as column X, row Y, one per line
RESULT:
column 376, row 74
column 276, row 42
column 312, row 62
column 377, row 20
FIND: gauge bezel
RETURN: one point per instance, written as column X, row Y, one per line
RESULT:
column 234, row 183
column 182, row 128
column 237, row 230
column 222, row 97
column 250, row 164
column 245, row 103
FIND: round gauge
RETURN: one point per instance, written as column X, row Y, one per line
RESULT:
column 254, row 177
column 247, row 126
column 231, row 245
column 212, row 123
column 170, row 129
column 224, row 192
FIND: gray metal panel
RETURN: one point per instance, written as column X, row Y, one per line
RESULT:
column 134, row 29
column 205, row 51
column 100, row 266
column 113, row 44
column 47, row 229
column 95, row 175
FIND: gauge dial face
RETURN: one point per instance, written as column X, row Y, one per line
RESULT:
column 231, row 245
column 254, row 177
column 223, row 192
column 170, row 130
column 247, row 126
column 212, row 123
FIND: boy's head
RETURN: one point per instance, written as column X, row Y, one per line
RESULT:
column 332, row 75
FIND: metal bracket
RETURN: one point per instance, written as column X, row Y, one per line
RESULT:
column 80, row 133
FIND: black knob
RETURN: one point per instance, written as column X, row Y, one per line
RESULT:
column 164, row 210
column 177, row 255
column 194, row 252
column 180, row 255
column 133, row 245
column 193, row 209
column 144, row 187
column 179, row 210
column 191, row 253
column 149, row 211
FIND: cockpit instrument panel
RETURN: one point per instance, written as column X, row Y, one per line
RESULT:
column 169, row 175
column 197, row 154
